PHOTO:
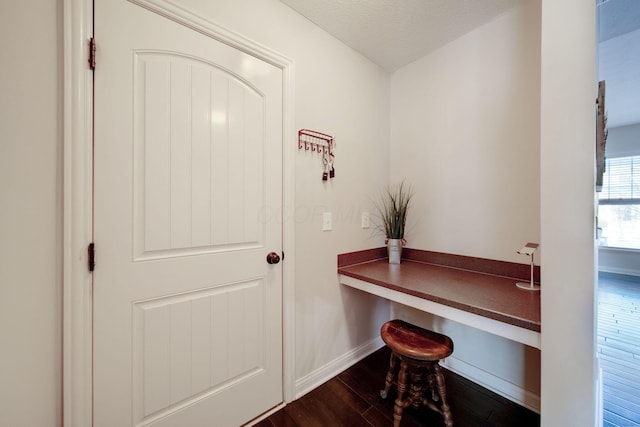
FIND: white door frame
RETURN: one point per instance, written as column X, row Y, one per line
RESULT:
column 78, row 187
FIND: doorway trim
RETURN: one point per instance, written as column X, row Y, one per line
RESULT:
column 77, row 91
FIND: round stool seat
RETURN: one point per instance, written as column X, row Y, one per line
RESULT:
column 414, row 342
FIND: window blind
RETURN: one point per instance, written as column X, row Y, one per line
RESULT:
column 621, row 181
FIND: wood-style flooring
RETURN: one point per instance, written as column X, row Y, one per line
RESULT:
column 352, row 399
column 619, row 348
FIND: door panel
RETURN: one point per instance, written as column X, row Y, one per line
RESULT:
column 201, row 131
column 188, row 158
column 177, row 359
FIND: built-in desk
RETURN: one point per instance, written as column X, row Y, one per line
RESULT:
column 471, row 291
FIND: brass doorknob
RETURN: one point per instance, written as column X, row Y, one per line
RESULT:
column 273, row 258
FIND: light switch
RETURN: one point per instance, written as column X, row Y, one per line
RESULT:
column 327, row 221
column 365, row 219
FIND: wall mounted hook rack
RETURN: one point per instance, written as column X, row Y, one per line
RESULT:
column 321, row 143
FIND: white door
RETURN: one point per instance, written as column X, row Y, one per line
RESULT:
column 188, row 187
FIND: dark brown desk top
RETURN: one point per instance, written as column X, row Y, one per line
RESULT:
column 488, row 295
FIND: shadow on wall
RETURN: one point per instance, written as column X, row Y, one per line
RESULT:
column 364, row 315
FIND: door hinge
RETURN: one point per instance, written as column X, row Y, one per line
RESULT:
column 92, row 53
column 91, row 250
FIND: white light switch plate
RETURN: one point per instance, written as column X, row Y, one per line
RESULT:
column 365, row 219
column 327, row 221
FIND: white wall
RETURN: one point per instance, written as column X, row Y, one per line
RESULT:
column 465, row 132
column 619, row 261
column 31, row 216
column 567, row 164
column 623, row 141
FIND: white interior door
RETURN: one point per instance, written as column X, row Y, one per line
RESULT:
column 188, row 195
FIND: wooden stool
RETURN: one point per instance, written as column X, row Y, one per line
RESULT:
column 419, row 352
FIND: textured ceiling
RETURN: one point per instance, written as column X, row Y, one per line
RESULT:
column 393, row 33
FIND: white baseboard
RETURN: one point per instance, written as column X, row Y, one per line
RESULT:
column 487, row 380
column 619, row 261
column 497, row 385
column 334, row 367
column 618, row 270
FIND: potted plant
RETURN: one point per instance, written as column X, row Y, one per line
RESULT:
column 392, row 211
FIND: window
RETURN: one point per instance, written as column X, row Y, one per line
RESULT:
column 619, row 200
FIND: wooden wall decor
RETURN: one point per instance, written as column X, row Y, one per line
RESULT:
column 601, row 135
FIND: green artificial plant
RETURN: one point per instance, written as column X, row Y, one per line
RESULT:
column 392, row 210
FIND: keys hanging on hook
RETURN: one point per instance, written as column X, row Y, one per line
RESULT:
column 325, row 167
column 332, row 169
column 329, row 171
column 327, row 162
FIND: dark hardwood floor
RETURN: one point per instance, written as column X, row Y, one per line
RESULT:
column 352, row 399
column 619, row 348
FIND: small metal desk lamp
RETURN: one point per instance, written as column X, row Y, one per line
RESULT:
column 529, row 249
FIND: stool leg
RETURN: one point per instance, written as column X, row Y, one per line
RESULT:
column 415, row 390
column 402, row 387
column 442, row 391
column 432, row 384
column 389, row 378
